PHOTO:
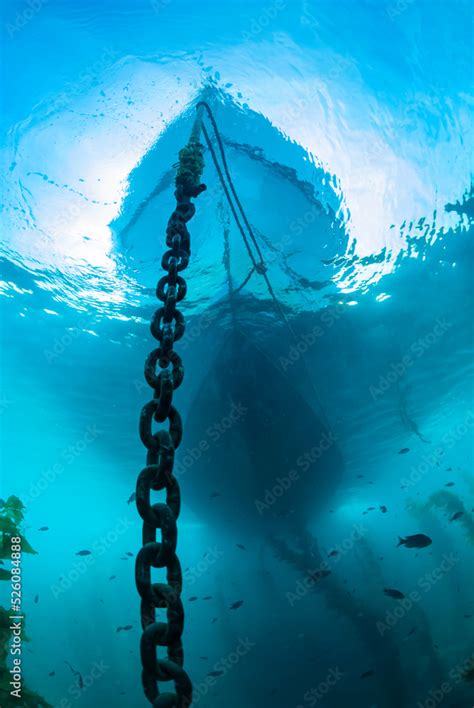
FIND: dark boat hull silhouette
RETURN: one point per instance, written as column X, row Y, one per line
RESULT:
column 254, row 450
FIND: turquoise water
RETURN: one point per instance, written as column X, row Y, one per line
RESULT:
column 347, row 128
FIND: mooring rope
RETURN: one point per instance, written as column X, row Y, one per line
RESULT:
column 258, row 265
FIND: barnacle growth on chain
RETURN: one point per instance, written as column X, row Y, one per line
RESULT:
column 190, row 168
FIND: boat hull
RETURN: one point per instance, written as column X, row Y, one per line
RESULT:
column 254, row 450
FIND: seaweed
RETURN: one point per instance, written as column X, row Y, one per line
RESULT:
column 451, row 503
column 11, row 520
column 383, row 651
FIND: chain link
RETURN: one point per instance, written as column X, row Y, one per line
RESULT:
column 167, row 326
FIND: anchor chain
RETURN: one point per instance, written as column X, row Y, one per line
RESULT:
column 167, row 326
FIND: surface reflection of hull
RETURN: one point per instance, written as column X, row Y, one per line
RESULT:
column 254, row 450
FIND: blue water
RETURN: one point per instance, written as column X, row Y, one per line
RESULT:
column 347, row 127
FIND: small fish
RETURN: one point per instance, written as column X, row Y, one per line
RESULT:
column 449, row 469
column 204, row 658
column 214, row 620
column 44, row 528
column 129, row 554
column 215, row 673
column 124, row 629
column 208, row 597
column 239, row 545
column 360, row 476
column 364, row 512
column 396, row 594
column 404, row 451
column 214, row 495
column 52, row 673
column 383, row 509
column 418, row 540
column 193, row 598
column 36, row 599
column 112, row 577
column 236, row 605
column 457, row 515
column 81, row 682
column 319, row 574
column 131, row 498
column 83, row 553
column 449, row 484
column 467, row 617
column 74, row 671
column 368, row 673
column 333, row 554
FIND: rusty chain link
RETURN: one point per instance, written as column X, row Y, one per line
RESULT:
column 167, row 326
